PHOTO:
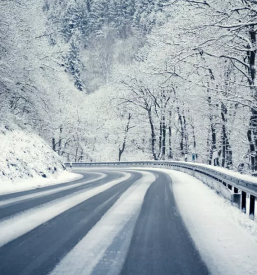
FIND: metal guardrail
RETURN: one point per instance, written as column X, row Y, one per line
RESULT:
column 241, row 192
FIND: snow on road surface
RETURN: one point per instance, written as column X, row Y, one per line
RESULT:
column 7, row 187
column 88, row 252
column 223, row 235
column 20, row 224
column 50, row 192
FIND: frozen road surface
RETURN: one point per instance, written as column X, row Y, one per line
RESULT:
column 112, row 221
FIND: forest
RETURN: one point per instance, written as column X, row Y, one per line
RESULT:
column 132, row 80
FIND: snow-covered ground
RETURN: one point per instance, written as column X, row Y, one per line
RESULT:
column 216, row 168
column 7, row 186
column 225, row 237
column 27, row 162
column 225, row 171
column 52, row 191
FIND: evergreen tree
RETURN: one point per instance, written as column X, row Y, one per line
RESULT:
column 99, row 15
column 74, row 65
column 149, row 13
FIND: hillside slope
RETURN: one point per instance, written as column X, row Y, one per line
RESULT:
column 25, row 155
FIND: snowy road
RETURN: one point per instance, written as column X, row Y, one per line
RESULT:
column 147, row 235
column 112, row 221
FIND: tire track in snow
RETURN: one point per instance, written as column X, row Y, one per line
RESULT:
column 38, row 251
column 18, row 207
column 16, row 226
column 49, row 192
column 88, row 252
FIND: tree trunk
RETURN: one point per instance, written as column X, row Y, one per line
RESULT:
column 163, row 137
column 53, row 144
column 252, row 138
column 223, row 136
column 194, row 139
column 160, row 140
column 60, row 142
column 213, row 146
column 81, row 155
column 186, row 135
column 122, row 149
column 170, row 156
column 194, row 143
column 213, row 143
column 76, row 154
column 252, row 129
column 153, row 136
column 226, row 160
column 181, row 133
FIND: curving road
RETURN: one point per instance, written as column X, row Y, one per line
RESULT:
column 112, row 221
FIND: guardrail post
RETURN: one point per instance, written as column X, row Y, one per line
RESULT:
column 243, row 201
column 252, row 206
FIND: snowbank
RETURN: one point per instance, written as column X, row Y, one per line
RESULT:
column 224, row 171
column 225, row 237
column 26, row 161
column 7, row 186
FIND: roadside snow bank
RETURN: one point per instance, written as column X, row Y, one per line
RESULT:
column 7, row 187
column 225, row 237
column 27, row 162
column 222, row 170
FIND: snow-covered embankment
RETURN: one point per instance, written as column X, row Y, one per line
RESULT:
column 27, row 162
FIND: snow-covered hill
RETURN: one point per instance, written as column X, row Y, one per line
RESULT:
column 26, row 156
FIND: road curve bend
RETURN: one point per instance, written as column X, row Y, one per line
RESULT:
column 112, row 221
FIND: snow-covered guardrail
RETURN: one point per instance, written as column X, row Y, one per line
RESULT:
column 241, row 190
